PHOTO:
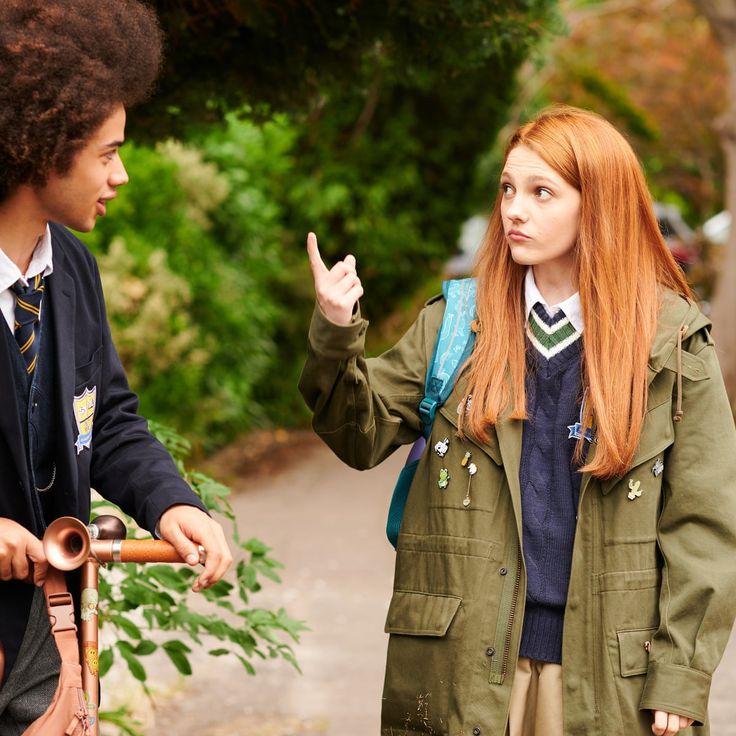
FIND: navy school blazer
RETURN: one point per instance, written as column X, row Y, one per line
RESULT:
column 123, row 462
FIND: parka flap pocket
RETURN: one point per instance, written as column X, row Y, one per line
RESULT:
column 490, row 447
column 421, row 614
column 693, row 366
column 634, row 651
column 657, row 434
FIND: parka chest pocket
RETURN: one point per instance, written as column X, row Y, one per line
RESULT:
column 460, row 475
column 631, row 503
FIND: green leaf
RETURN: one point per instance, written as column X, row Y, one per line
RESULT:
column 249, row 668
column 134, row 665
column 169, row 576
column 145, row 648
column 126, row 625
column 177, row 656
column 123, row 719
column 176, row 646
column 106, row 658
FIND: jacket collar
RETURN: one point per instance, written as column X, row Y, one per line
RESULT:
column 63, row 296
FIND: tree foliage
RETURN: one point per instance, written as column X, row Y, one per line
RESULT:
column 190, row 258
column 290, row 55
column 387, row 108
column 393, row 103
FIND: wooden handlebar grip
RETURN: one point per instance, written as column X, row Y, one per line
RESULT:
column 137, row 550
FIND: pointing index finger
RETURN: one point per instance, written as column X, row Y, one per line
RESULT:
column 315, row 259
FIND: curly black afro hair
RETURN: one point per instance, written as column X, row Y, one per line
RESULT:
column 65, row 65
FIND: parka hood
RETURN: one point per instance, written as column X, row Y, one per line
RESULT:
column 675, row 314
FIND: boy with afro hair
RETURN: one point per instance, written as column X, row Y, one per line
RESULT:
column 68, row 71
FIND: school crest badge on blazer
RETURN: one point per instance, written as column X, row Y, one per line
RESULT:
column 84, row 416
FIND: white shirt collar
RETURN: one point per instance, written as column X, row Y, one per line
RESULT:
column 41, row 262
column 571, row 306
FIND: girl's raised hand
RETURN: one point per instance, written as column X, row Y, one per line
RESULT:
column 338, row 288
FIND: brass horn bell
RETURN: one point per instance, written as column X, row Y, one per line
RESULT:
column 67, row 540
column 66, row 543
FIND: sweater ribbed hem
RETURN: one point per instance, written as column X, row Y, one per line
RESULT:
column 541, row 638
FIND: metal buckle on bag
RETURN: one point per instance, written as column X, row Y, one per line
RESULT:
column 61, row 612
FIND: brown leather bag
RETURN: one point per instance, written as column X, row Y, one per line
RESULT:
column 67, row 715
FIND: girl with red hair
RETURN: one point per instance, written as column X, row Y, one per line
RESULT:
column 565, row 563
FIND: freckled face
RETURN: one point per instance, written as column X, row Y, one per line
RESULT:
column 540, row 211
column 76, row 199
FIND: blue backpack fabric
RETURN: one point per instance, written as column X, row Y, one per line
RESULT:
column 454, row 345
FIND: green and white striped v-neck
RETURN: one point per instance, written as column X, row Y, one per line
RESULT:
column 550, row 335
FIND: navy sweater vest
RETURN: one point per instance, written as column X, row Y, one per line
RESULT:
column 550, row 487
column 35, row 395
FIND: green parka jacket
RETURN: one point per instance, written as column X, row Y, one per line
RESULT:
column 652, row 594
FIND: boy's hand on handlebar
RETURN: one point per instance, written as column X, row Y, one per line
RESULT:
column 338, row 288
column 186, row 527
column 18, row 549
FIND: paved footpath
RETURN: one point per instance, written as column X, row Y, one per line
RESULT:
column 325, row 522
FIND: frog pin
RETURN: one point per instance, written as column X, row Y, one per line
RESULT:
column 634, row 489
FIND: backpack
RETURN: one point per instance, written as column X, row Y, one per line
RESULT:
column 455, row 341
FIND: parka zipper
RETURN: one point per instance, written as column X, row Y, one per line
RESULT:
column 506, row 615
column 512, row 613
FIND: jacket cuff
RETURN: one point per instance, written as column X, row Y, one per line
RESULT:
column 677, row 689
column 337, row 342
column 155, row 507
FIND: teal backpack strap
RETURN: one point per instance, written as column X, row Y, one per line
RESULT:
column 453, row 347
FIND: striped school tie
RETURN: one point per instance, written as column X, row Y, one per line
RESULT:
column 27, row 319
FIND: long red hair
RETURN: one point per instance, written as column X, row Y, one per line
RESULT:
column 622, row 264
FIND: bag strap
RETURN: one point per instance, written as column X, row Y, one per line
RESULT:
column 60, row 608
column 453, row 347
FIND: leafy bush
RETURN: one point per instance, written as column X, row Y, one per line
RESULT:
column 137, row 600
column 190, row 261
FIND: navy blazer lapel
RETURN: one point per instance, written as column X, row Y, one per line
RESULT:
column 63, row 305
column 10, row 421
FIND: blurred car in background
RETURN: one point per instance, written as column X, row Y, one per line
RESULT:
column 678, row 235
column 471, row 237
column 718, row 228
